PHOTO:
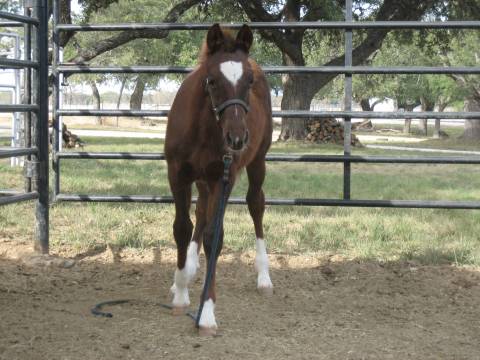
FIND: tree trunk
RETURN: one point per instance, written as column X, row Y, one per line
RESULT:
column 436, row 130
column 137, row 95
column 427, row 105
column 407, row 126
column 365, row 104
column 96, row 97
column 122, row 87
column 472, row 127
column 296, row 96
column 119, row 100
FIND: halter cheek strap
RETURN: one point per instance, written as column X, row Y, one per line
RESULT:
column 220, row 108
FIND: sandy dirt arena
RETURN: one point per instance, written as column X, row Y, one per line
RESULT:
column 324, row 307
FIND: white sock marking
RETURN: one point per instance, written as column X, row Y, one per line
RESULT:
column 179, row 289
column 232, row 70
column 261, row 265
column 184, row 276
column 207, row 319
column 192, row 263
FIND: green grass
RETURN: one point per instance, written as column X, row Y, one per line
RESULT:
column 453, row 142
column 427, row 236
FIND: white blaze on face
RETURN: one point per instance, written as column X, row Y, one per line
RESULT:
column 232, row 70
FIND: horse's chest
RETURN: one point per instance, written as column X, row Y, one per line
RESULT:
column 206, row 166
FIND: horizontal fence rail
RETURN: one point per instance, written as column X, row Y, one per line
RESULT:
column 11, row 199
column 293, row 113
column 14, row 63
column 11, row 24
column 13, row 152
column 287, row 158
column 20, row 18
column 7, row 192
column 18, row 108
column 430, row 204
column 342, row 25
column 82, row 69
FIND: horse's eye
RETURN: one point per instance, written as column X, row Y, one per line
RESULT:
column 210, row 82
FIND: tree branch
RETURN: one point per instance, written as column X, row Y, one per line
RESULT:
column 124, row 37
column 256, row 12
column 390, row 10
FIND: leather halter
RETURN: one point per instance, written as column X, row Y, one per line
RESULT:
column 220, row 108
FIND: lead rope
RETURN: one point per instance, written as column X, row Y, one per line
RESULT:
column 227, row 161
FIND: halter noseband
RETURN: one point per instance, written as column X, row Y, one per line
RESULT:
column 219, row 109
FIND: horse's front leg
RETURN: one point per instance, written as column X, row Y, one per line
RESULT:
column 256, row 207
column 182, row 231
column 207, row 323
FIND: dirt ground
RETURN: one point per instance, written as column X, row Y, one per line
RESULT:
column 324, row 307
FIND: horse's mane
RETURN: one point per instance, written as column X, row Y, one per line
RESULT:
column 228, row 45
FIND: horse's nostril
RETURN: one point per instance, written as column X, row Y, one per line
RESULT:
column 237, row 144
column 245, row 139
column 229, row 139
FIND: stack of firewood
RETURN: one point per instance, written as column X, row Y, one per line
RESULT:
column 327, row 130
column 70, row 140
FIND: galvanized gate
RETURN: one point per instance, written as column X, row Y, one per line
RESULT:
column 347, row 159
column 35, row 109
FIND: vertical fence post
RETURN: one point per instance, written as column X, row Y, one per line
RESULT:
column 347, row 138
column 27, row 89
column 57, row 130
column 41, row 129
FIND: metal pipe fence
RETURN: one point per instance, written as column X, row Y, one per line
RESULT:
column 348, row 26
column 35, row 107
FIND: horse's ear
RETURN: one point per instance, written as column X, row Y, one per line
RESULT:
column 215, row 38
column 244, row 38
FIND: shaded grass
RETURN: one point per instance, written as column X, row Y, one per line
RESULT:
column 453, row 142
column 427, row 236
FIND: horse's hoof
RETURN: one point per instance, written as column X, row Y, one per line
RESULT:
column 179, row 310
column 265, row 291
column 207, row 331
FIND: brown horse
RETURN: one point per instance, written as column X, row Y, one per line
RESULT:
column 222, row 107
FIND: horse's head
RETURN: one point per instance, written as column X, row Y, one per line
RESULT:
column 228, row 83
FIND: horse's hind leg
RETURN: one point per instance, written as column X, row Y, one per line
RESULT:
column 182, row 231
column 256, row 206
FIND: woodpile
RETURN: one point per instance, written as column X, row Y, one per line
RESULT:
column 328, row 130
column 70, row 140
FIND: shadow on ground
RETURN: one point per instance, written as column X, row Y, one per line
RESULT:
column 323, row 308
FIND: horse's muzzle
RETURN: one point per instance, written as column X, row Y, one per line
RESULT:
column 236, row 143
